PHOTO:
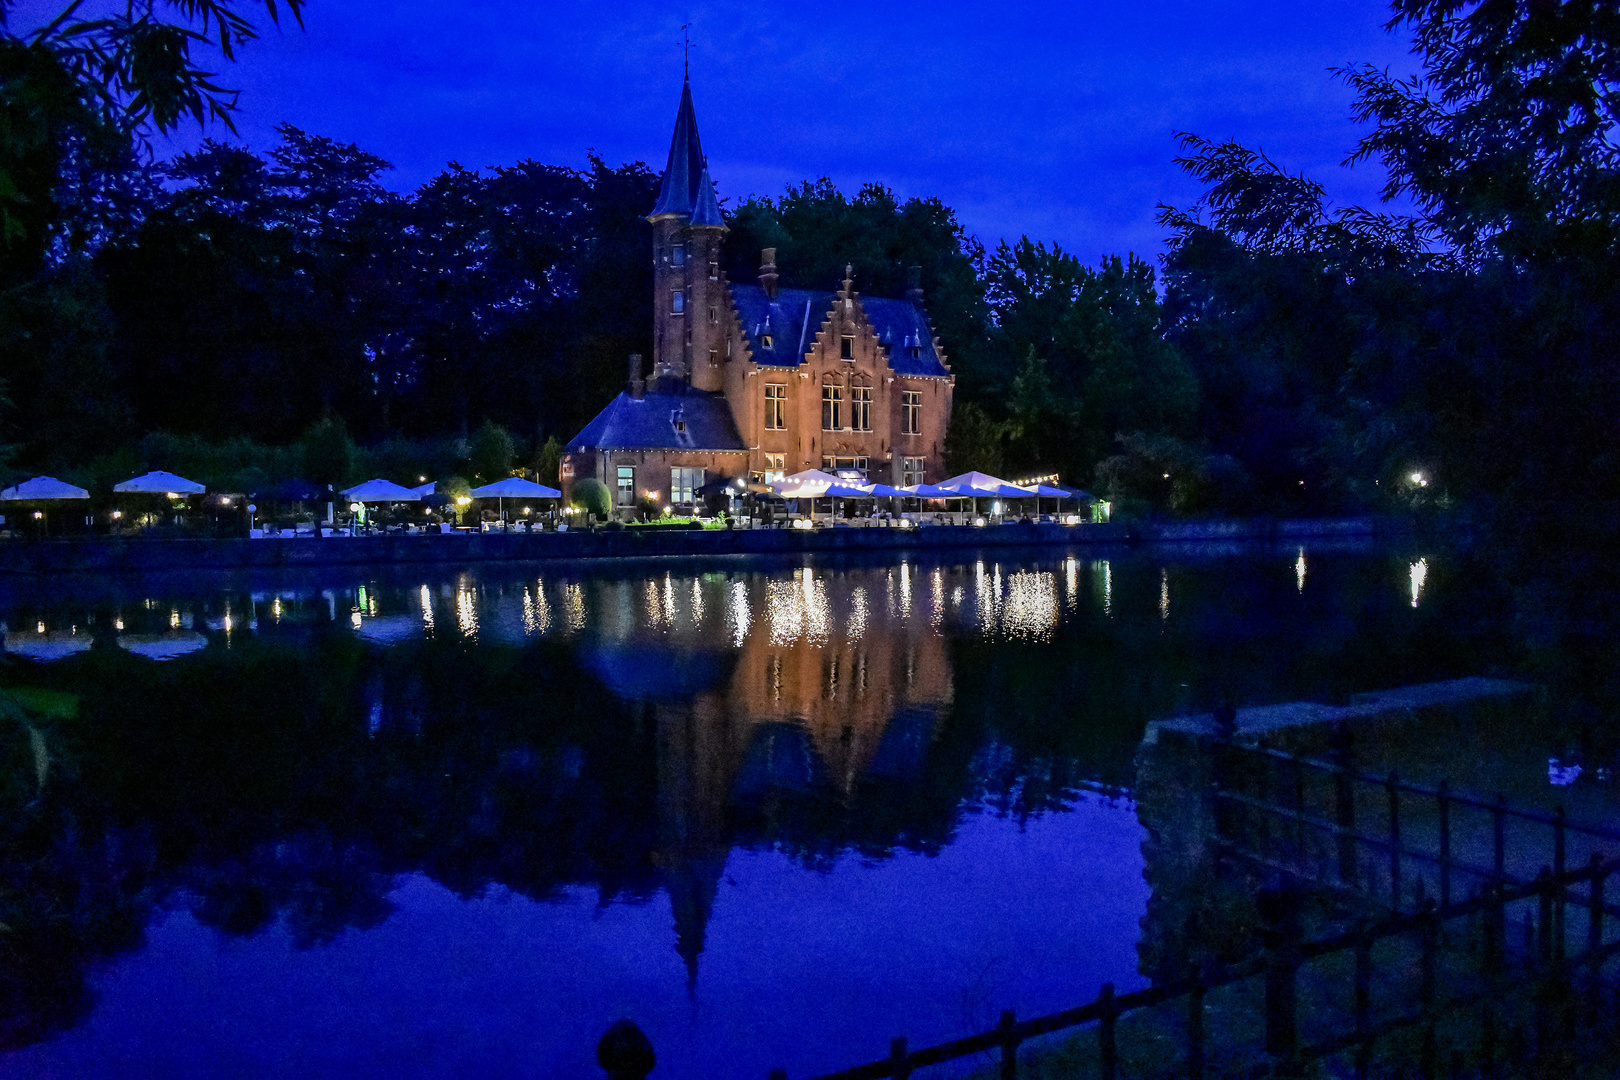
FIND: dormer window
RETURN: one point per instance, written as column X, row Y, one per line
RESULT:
column 916, row 351
column 846, row 347
column 677, row 255
column 765, row 341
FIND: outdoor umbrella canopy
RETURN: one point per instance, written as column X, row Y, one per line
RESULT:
column 1049, row 492
column 978, row 483
column 515, row 487
column 928, row 491
column 845, row 491
column 380, row 491
column 160, row 483
column 43, row 487
column 424, row 489
column 886, row 491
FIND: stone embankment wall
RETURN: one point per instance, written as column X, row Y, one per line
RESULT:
column 136, row 555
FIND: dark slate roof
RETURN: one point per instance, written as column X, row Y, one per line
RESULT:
column 707, row 210
column 650, row 423
column 685, row 176
column 794, row 317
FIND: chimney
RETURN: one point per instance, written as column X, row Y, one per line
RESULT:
column 914, row 291
column 767, row 272
column 638, row 385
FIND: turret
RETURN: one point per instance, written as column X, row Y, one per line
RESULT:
column 689, row 300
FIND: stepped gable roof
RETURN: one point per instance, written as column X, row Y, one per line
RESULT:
column 673, row 417
column 795, row 316
column 686, row 178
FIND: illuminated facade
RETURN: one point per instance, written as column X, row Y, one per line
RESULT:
column 758, row 381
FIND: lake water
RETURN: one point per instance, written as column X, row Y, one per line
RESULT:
column 455, row 823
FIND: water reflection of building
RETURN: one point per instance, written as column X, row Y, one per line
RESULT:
column 825, row 690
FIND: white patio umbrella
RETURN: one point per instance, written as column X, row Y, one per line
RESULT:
column 160, row 483
column 380, row 491
column 513, row 487
column 41, row 488
column 810, row 484
column 975, row 485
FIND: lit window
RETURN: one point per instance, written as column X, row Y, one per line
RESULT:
column 765, row 341
column 677, row 300
column 775, row 467
column 627, row 485
column 776, row 406
column 846, row 347
column 683, row 484
column 832, row 407
column 911, row 412
column 860, row 408
column 677, row 255
column 911, row 471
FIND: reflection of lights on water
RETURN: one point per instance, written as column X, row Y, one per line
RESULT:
column 937, row 593
column 697, row 602
column 427, row 609
column 1299, row 570
column 1071, row 582
column 857, row 614
column 657, row 613
column 1031, row 607
column 956, row 598
column 466, row 613
column 174, row 618
column 799, row 608
column 1419, row 573
column 275, row 607
column 738, row 615
column 40, row 629
column 573, row 598
column 536, row 612
column 1164, row 594
column 986, row 596
column 905, row 590
column 1105, row 570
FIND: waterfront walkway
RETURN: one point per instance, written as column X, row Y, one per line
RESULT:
column 140, row 555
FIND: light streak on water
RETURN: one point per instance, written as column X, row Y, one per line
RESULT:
column 466, row 613
column 738, row 615
column 937, row 593
column 427, row 610
column 697, row 601
column 1107, row 586
column 799, row 609
column 1419, row 574
column 1299, row 570
column 1164, row 594
column 1071, row 583
column 536, row 611
column 573, row 601
column 858, row 612
column 905, row 590
column 1031, row 608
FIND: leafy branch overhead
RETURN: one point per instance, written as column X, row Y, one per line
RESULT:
column 136, row 66
column 95, row 85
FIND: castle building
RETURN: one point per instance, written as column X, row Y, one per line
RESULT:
column 754, row 381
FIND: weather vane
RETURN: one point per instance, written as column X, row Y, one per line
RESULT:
column 686, row 43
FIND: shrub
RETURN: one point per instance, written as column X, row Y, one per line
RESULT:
column 591, row 495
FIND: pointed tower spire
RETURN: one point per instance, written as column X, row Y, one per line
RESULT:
column 683, row 175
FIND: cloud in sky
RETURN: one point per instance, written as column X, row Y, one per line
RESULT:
column 1054, row 120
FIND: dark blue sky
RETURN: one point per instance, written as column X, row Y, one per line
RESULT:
column 1054, row 120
